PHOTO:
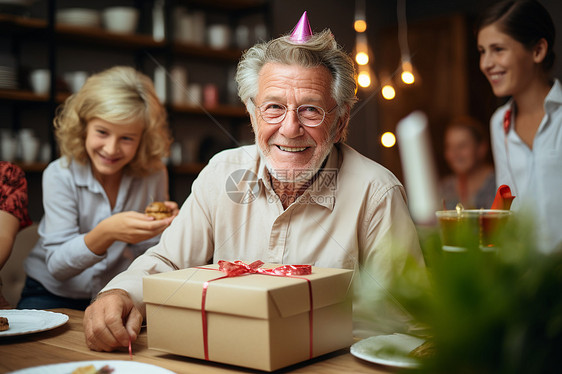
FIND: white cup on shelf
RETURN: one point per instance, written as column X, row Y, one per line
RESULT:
column 75, row 80
column 242, row 36
column 194, row 94
column 176, row 156
column 218, row 36
column 198, row 19
column 121, row 19
column 178, row 80
column 45, row 153
column 160, row 83
column 40, row 80
column 8, row 146
column 29, row 149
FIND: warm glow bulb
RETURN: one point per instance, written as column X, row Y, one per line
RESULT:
column 360, row 25
column 388, row 139
column 388, row 92
column 364, row 79
column 362, row 58
column 407, row 77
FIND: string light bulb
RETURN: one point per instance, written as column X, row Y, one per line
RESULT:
column 388, row 139
column 388, row 92
column 407, row 75
column 361, row 50
column 364, row 79
column 360, row 24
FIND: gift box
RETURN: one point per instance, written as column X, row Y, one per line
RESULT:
column 255, row 320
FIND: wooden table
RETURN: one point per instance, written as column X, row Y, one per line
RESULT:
column 66, row 343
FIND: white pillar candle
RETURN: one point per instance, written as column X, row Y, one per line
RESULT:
column 418, row 166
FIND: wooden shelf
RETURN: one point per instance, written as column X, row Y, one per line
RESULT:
column 196, row 50
column 192, row 168
column 233, row 111
column 99, row 36
column 32, row 167
column 22, row 95
column 13, row 23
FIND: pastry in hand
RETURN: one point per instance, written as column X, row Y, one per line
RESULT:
column 158, row 210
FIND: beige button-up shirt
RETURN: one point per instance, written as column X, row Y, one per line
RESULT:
column 353, row 216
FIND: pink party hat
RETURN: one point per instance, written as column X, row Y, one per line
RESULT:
column 302, row 31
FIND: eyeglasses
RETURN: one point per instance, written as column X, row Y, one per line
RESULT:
column 308, row 115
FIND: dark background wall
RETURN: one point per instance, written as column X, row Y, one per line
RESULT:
column 371, row 114
column 441, row 43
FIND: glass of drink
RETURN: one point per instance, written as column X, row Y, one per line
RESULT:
column 465, row 228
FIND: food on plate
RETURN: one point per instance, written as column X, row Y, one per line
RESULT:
column 91, row 369
column 427, row 349
column 158, row 210
column 4, row 325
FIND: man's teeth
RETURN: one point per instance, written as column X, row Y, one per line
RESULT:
column 496, row 76
column 291, row 149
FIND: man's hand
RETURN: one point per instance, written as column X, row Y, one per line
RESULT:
column 111, row 321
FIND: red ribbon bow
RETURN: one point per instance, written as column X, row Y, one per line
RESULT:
column 239, row 268
column 236, row 268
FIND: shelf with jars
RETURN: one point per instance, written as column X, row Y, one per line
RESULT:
column 204, row 38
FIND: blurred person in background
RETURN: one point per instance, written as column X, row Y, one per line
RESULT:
column 466, row 152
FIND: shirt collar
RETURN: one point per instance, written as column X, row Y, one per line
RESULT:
column 554, row 98
column 84, row 177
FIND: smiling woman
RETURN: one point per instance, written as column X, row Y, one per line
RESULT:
column 112, row 135
column 515, row 40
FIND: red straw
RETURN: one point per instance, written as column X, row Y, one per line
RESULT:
column 130, row 349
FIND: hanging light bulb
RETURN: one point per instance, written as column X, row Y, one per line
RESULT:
column 364, row 79
column 388, row 91
column 407, row 75
column 360, row 24
column 388, row 139
column 362, row 50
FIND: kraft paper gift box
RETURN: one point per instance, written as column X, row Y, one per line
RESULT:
column 256, row 321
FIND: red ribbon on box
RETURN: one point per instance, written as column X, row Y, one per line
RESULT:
column 239, row 268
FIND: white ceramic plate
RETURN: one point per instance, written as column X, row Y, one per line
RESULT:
column 389, row 350
column 27, row 321
column 120, row 367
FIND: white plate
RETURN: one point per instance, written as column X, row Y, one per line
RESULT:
column 27, row 321
column 389, row 350
column 120, row 367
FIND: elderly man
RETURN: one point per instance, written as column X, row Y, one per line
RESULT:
column 298, row 196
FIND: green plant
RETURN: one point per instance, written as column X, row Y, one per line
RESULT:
column 489, row 312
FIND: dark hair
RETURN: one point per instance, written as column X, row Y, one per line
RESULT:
column 472, row 125
column 526, row 21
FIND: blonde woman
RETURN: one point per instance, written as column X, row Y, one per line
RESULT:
column 112, row 135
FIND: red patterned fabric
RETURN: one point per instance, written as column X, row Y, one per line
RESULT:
column 13, row 192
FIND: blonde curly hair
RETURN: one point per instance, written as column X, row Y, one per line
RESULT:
column 117, row 95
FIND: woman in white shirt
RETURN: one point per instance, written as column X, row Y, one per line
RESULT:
column 515, row 41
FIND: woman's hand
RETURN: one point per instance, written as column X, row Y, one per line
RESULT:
column 129, row 227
